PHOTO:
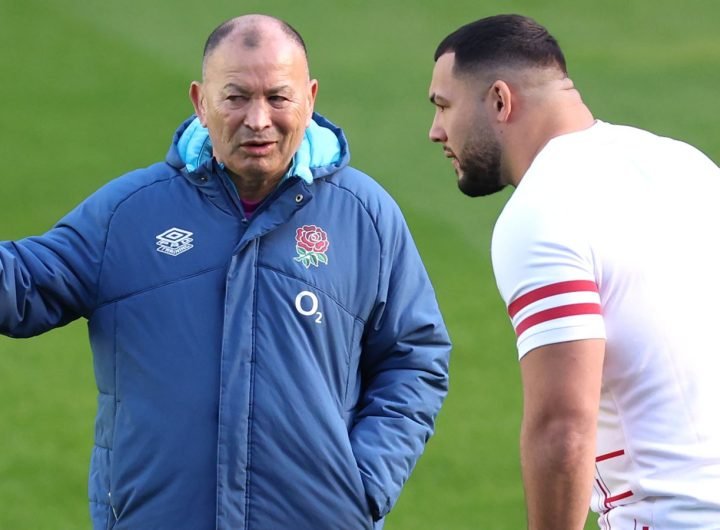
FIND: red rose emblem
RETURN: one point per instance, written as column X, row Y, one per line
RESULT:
column 312, row 238
column 311, row 245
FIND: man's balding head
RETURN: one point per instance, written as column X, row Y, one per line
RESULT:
column 251, row 29
column 256, row 99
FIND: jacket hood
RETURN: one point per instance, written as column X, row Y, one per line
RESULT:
column 323, row 150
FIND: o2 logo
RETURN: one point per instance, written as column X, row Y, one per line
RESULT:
column 307, row 304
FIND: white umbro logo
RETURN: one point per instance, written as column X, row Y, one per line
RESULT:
column 174, row 241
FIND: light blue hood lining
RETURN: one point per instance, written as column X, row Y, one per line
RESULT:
column 320, row 147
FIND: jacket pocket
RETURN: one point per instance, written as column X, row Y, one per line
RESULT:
column 353, row 382
column 112, row 515
column 99, row 487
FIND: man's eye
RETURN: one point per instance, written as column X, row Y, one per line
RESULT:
column 277, row 100
column 235, row 97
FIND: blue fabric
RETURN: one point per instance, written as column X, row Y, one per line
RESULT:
column 210, row 415
column 319, row 147
column 194, row 145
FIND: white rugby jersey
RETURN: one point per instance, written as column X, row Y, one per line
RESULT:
column 614, row 233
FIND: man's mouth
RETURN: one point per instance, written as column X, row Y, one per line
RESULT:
column 256, row 142
column 257, row 147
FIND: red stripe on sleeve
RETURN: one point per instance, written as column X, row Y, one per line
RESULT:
column 607, row 456
column 572, row 286
column 553, row 313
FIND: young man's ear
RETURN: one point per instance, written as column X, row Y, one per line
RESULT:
column 501, row 100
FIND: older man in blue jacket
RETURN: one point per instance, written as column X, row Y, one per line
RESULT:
column 268, row 349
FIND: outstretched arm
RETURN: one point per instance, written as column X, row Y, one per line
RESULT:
column 50, row 280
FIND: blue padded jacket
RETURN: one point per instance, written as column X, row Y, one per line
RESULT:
column 277, row 372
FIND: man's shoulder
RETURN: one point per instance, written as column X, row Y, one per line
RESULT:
column 360, row 185
column 138, row 179
column 118, row 190
column 356, row 189
column 350, row 177
column 101, row 207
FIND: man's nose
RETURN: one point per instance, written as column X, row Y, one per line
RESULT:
column 258, row 116
column 437, row 133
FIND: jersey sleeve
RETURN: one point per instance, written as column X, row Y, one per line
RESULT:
column 545, row 271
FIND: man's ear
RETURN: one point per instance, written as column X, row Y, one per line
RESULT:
column 198, row 100
column 500, row 101
column 312, row 94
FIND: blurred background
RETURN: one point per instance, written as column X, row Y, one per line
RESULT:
column 91, row 90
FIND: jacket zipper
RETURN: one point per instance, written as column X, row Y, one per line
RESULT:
column 232, row 193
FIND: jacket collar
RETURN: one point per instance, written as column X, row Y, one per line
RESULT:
column 323, row 150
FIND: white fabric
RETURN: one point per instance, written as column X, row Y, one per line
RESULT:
column 615, row 233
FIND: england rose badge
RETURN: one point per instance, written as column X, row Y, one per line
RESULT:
column 311, row 244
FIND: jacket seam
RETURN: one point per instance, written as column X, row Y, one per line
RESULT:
column 331, row 297
column 220, row 489
column 157, row 286
column 373, row 222
column 114, row 396
column 111, row 470
column 113, row 211
column 347, row 365
column 251, row 389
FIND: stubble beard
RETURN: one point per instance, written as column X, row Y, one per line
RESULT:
column 479, row 172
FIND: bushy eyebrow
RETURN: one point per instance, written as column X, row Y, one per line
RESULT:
column 272, row 90
column 280, row 88
column 234, row 86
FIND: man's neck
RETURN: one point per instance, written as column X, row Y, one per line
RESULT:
column 254, row 189
column 555, row 119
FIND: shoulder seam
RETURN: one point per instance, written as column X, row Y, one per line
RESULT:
column 110, row 220
column 374, row 224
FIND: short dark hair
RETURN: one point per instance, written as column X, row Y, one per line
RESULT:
column 223, row 30
column 502, row 40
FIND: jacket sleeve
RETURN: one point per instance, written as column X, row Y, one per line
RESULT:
column 405, row 369
column 50, row 280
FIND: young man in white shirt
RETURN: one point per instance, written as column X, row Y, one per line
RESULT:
column 606, row 256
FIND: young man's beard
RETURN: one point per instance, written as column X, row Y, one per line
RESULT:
column 479, row 173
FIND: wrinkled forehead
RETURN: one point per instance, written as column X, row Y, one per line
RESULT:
column 243, row 51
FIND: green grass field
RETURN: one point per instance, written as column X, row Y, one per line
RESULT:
column 93, row 89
